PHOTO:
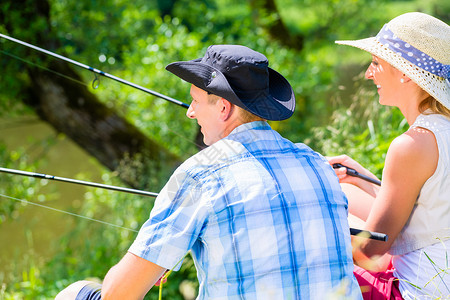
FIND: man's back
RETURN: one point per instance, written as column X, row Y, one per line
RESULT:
column 264, row 218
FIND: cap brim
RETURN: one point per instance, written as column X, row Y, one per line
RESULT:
column 205, row 77
column 282, row 94
column 277, row 106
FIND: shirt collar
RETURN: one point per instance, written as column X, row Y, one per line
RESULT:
column 256, row 125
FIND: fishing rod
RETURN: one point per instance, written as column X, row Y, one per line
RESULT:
column 353, row 231
column 354, row 173
column 95, row 71
column 80, row 182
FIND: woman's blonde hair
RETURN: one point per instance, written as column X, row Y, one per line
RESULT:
column 434, row 106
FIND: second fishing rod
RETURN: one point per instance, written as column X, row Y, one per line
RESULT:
column 353, row 231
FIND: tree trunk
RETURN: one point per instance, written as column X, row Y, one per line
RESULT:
column 266, row 13
column 165, row 7
column 117, row 144
column 71, row 109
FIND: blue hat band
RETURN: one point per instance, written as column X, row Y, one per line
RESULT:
column 412, row 54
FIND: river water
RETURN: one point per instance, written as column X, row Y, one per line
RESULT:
column 31, row 236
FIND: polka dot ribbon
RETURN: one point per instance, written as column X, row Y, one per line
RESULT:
column 412, row 54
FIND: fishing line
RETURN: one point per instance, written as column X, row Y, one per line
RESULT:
column 67, row 212
column 43, row 68
column 163, row 278
column 13, row 124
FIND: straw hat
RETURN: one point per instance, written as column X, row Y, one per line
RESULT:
column 418, row 45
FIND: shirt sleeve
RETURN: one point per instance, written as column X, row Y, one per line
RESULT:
column 175, row 222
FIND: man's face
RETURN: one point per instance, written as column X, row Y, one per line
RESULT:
column 207, row 114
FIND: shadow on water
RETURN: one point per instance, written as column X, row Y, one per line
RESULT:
column 32, row 233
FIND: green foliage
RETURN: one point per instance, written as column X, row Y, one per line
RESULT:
column 20, row 187
column 336, row 111
column 11, row 100
column 363, row 131
column 30, row 284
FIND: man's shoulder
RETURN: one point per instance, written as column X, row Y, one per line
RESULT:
column 309, row 151
column 242, row 146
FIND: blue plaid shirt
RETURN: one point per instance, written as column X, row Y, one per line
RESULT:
column 263, row 218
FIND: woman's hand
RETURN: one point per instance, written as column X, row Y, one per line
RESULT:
column 342, row 172
column 345, row 178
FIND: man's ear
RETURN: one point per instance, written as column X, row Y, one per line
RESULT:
column 226, row 109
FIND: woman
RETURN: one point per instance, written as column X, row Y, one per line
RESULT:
column 411, row 69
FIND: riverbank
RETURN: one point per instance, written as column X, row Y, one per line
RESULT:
column 32, row 234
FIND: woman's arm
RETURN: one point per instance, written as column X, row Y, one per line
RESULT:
column 411, row 159
column 359, row 202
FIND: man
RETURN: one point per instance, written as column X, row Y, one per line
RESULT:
column 263, row 218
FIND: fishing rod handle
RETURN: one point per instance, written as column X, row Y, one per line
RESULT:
column 369, row 234
column 354, row 173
